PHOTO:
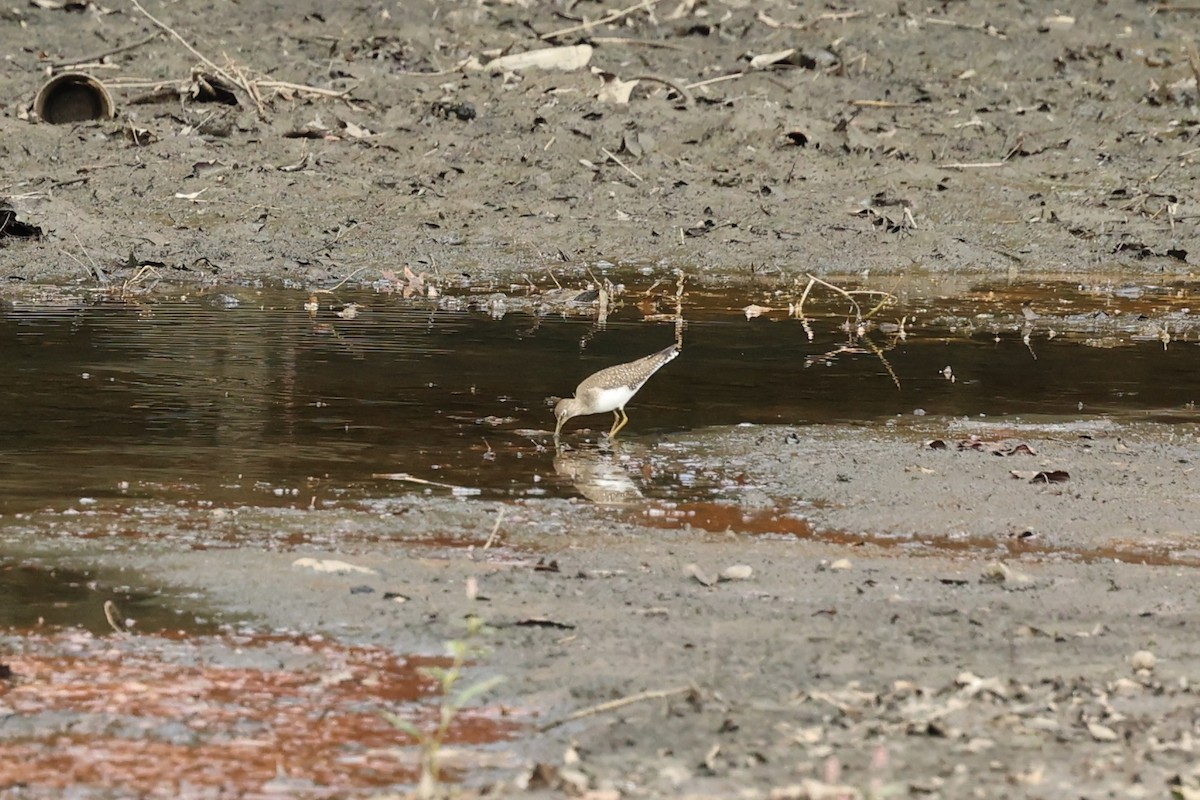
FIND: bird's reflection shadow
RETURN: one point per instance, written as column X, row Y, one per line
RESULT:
column 599, row 476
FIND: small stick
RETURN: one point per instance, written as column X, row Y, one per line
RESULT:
column 973, row 165
column 495, row 528
column 339, row 283
column 879, row 354
column 613, row 705
column 111, row 613
column 614, row 16
column 159, row 23
column 639, row 42
column 800, row 306
column 300, row 87
column 680, row 90
column 881, row 104
column 621, row 164
column 718, row 79
column 100, row 56
column 404, row 476
column 982, row 27
column 841, row 291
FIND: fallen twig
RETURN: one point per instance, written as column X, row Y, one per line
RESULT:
column 105, row 54
column 240, row 76
column 881, row 104
column 613, row 17
column 682, row 91
column 495, row 528
column 111, row 613
column 404, row 476
column 620, row 164
column 175, row 34
column 973, row 165
column 613, row 705
column 338, row 285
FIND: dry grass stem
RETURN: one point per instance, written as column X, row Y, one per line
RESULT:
column 882, row 358
column 635, row 42
column 187, row 45
column 682, row 91
column 404, row 476
column 620, row 164
column 234, row 76
column 718, row 79
column 613, row 17
column 881, row 104
column 495, row 529
column 99, row 57
column 339, row 284
column 138, row 277
column 112, row 615
column 613, row 705
column 972, row 165
column 887, row 297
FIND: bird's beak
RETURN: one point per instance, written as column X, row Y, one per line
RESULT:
column 558, row 429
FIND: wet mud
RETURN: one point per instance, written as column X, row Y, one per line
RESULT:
column 307, row 301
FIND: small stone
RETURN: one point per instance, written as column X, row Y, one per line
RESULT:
column 331, row 565
column 998, row 572
column 1144, row 660
column 1101, row 733
column 737, row 572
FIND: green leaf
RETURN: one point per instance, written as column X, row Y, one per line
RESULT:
column 404, row 725
column 474, row 690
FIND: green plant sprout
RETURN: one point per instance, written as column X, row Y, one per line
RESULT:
column 453, row 700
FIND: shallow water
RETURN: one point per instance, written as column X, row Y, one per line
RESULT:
column 34, row 597
column 249, row 398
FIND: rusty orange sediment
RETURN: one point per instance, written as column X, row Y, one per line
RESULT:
column 150, row 715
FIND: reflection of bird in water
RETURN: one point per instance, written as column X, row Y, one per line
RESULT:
column 610, row 389
column 598, row 478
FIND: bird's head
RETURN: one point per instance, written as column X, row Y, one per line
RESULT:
column 563, row 411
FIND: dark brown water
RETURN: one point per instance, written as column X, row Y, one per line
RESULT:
column 260, row 402
column 35, row 597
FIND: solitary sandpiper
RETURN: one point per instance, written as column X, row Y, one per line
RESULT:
column 610, row 389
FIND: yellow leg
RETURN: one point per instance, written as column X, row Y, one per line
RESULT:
column 621, row 418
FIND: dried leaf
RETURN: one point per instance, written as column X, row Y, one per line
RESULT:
column 770, row 59
column 615, row 90
column 751, row 311
column 568, row 57
column 737, row 572
column 694, row 571
column 331, row 565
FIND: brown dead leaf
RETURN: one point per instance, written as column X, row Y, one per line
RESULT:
column 1042, row 476
column 615, row 90
column 753, row 310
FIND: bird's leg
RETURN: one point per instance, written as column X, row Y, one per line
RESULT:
column 621, row 419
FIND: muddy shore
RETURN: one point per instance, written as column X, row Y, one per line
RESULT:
column 1006, row 614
